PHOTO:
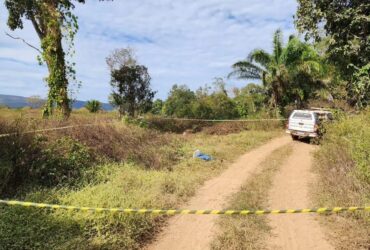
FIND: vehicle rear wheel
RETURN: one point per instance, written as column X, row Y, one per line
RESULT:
column 295, row 137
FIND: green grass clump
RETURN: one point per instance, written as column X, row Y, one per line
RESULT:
column 343, row 167
column 120, row 185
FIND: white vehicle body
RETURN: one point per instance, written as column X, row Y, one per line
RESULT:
column 303, row 123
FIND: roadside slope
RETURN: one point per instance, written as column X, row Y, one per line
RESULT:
column 291, row 190
column 194, row 231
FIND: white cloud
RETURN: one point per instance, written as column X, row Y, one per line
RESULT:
column 185, row 41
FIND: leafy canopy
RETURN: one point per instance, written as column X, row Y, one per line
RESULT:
column 131, row 91
column 346, row 23
column 290, row 73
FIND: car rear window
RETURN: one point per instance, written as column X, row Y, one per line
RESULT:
column 303, row 116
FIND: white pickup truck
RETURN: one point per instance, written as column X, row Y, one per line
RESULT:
column 305, row 123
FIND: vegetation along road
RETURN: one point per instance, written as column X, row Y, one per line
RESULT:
column 289, row 191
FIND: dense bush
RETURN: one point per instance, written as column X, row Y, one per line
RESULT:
column 121, row 142
column 26, row 158
column 62, row 157
column 61, row 161
column 351, row 135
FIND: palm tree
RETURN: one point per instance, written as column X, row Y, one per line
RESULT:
column 284, row 72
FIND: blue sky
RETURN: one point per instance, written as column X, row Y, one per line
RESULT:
column 180, row 41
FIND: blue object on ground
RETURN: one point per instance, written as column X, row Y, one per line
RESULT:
column 200, row 155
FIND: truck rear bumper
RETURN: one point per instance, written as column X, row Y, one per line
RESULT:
column 302, row 133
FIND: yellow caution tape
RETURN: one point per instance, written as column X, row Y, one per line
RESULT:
column 183, row 211
column 223, row 120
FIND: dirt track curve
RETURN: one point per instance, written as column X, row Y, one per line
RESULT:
column 290, row 190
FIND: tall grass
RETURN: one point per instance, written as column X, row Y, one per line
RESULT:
column 132, row 167
column 343, row 166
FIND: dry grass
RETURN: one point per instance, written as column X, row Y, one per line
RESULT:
column 240, row 232
column 157, row 171
column 237, row 127
column 342, row 164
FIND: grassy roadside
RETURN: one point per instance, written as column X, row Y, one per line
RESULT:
column 239, row 232
column 125, row 184
column 343, row 167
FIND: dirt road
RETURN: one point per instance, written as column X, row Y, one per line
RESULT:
column 290, row 190
column 194, row 231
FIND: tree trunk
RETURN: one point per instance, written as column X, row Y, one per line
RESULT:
column 131, row 110
column 54, row 56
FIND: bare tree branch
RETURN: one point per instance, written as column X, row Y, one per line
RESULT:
column 24, row 41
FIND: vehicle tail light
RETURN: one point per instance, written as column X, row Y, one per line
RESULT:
column 287, row 125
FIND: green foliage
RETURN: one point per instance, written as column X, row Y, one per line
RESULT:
column 215, row 103
column 350, row 134
column 347, row 26
column 62, row 161
column 359, row 90
column 178, row 103
column 182, row 102
column 28, row 159
column 39, row 230
column 45, row 17
column 157, row 107
column 250, row 100
column 131, row 90
column 291, row 74
column 93, row 106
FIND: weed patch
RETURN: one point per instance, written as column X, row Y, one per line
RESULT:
column 122, row 185
column 342, row 164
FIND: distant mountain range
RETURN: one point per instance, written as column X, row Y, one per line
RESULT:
column 13, row 101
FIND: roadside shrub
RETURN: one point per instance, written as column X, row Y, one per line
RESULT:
column 350, row 134
column 121, row 142
column 343, row 166
column 61, row 161
column 28, row 159
column 16, row 151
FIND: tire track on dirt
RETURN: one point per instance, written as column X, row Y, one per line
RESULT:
column 196, row 232
column 291, row 190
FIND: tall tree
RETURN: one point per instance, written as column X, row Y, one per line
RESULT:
column 52, row 20
column 289, row 73
column 131, row 90
column 346, row 25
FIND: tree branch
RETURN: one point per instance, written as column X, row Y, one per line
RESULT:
column 24, row 41
column 37, row 27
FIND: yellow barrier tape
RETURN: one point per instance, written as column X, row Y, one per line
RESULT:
column 224, row 120
column 184, row 211
column 155, row 118
column 57, row 128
